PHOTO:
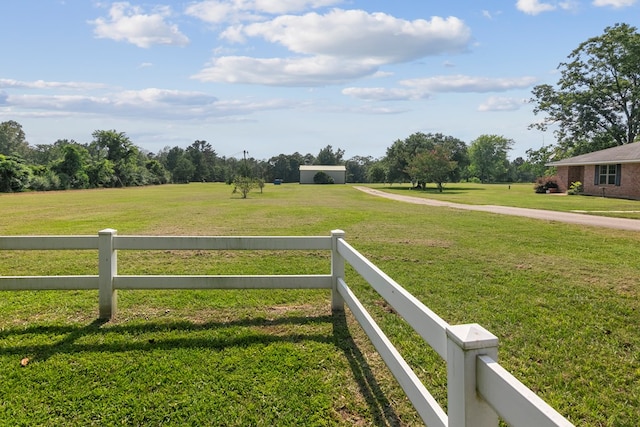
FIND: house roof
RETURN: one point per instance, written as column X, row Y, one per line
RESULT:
column 322, row 168
column 628, row 153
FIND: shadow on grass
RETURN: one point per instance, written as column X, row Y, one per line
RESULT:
column 381, row 409
column 433, row 190
column 72, row 336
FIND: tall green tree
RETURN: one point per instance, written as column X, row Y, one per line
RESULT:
column 400, row 154
column 204, row 158
column 488, row 157
column 536, row 164
column 71, row 169
column 432, row 166
column 327, row 156
column 596, row 103
column 14, row 174
column 12, row 139
column 183, row 170
column 377, row 172
column 357, row 168
column 122, row 153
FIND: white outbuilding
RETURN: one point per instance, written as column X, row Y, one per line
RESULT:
column 338, row 173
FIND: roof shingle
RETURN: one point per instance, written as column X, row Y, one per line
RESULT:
column 628, row 153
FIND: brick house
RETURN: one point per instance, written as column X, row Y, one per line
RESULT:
column 614, row 172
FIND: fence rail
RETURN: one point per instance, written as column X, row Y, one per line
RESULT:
column 479, row 390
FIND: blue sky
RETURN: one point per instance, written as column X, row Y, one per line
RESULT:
column 280, row 76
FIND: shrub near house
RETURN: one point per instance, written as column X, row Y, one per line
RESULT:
column 546, row 184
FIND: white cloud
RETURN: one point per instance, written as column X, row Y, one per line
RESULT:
column 616, row 4
column 534, row 7
column 375, row 37
column 288, row 6
column 383, row 94
column 150, row 103
column 41, row 84
column 496, row 103
column 423, row 88
column 461, row 83
column 335, row 47
column 309, row 71
column 225, row 11
column 215, row 12
column 129, row 23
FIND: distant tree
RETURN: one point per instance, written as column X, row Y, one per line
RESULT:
column 203, row 157
column 12, row 140
column 280, row 167
column 597, row 100
column 327, row 156
column 488, row 156
column 397, row 160
column 157, row 172
column 183, row 171
column 377, row 172
column 295, row 160
column 401, row 152
column 121, row 152
column 47, row 154
column 357, row 168
column 71, row 169
column 309, row 159
column 432, row 166
column 100, row 173
column 14, row 174
column 535, row 165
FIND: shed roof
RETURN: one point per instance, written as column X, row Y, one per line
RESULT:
column 628, row 153
column 322, row 168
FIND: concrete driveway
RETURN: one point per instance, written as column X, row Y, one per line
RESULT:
column 568, row 217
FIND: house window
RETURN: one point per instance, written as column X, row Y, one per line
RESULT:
column 608, row 174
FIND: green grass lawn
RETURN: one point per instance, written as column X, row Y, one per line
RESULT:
column 563, row 300
column 521, row 195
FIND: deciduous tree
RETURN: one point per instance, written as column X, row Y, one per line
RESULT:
column 327, row 156
column 12, row 139
column 121, row 152
column 432, row 166
column 401, row 153
column 596, row 103
column 14, row 174
column 488, row 157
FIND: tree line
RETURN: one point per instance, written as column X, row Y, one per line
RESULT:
column 111, row 159
column 594, row 105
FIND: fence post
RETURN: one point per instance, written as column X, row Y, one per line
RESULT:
column 337, row 270
column 107, row 269
column 465, row 406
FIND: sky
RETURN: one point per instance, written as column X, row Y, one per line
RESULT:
column 283, row 76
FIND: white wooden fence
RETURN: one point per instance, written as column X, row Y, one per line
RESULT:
column 479, row 390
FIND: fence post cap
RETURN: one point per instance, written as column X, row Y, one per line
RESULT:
column 339, row 233
column 108, row 231
column 471, row 336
